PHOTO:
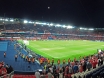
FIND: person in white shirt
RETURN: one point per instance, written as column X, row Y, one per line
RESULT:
column 50, row 74
column 37, row 74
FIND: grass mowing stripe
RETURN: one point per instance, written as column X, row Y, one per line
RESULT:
column 39, row 52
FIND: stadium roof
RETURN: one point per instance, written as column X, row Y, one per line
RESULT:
column 80, row 13
column 24, row 21
column 15, row 20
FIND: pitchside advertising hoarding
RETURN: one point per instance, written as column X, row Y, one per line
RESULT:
column 17, row 38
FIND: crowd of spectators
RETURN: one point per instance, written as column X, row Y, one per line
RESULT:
column 5, row 69
column 45, row 32
column 86, row 63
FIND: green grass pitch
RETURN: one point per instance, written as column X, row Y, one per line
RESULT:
column 65, row 49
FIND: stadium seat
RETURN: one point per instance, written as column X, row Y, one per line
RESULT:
column 23, row 76
column 102, row 74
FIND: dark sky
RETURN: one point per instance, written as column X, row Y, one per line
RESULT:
column 84, row 13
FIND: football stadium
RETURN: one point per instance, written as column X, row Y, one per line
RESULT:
column 27, row 48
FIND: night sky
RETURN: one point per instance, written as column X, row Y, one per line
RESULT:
column 81, row 13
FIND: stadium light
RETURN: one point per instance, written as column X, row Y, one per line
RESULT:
column 30, row 22
column 44, row 23
column 41, row 23
column 11, row 20
column 80, row 28
column 85, row 29
column 64, row 26
column 6, row 19
column 51, row 24
column 91, row 29
column 1, row 19
column 25, row 21
column 68, row 27
column 37, row 22
column 48, row 24
column 58, row 25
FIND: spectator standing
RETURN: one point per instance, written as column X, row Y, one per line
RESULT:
column 10, row 69
column 58, row 62
column 64, row 62
column 70, row 70
column 43, row 75
column 29, row 60
column 75, row 68
column 94, row 63
column 37, row 74
column 61, row 74
column 84, row 66
column 80, row 68
column 89, row 66
column 49, row 74
column 7, row 68
column 52, row 61
column 69, row 61
column 101, row 61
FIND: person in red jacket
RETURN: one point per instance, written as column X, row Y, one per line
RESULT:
column 3, row 71
column 94, row 63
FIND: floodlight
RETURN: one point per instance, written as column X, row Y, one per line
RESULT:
column 51, row 24
column 64, row 26
column 80, row 28
column 1, row 19
column 91, row 29
column 48, row 24
column 43, row 23
column 58, row 25
column 30, row 22
column 25, row 21
column 11, row 20
column 37, row 22
column 6, row 19
column 85, row 29
column 70, row 27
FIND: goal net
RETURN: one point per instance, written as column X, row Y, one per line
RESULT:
column 26, row 42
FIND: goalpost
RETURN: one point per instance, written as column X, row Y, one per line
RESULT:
column 26, row 42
